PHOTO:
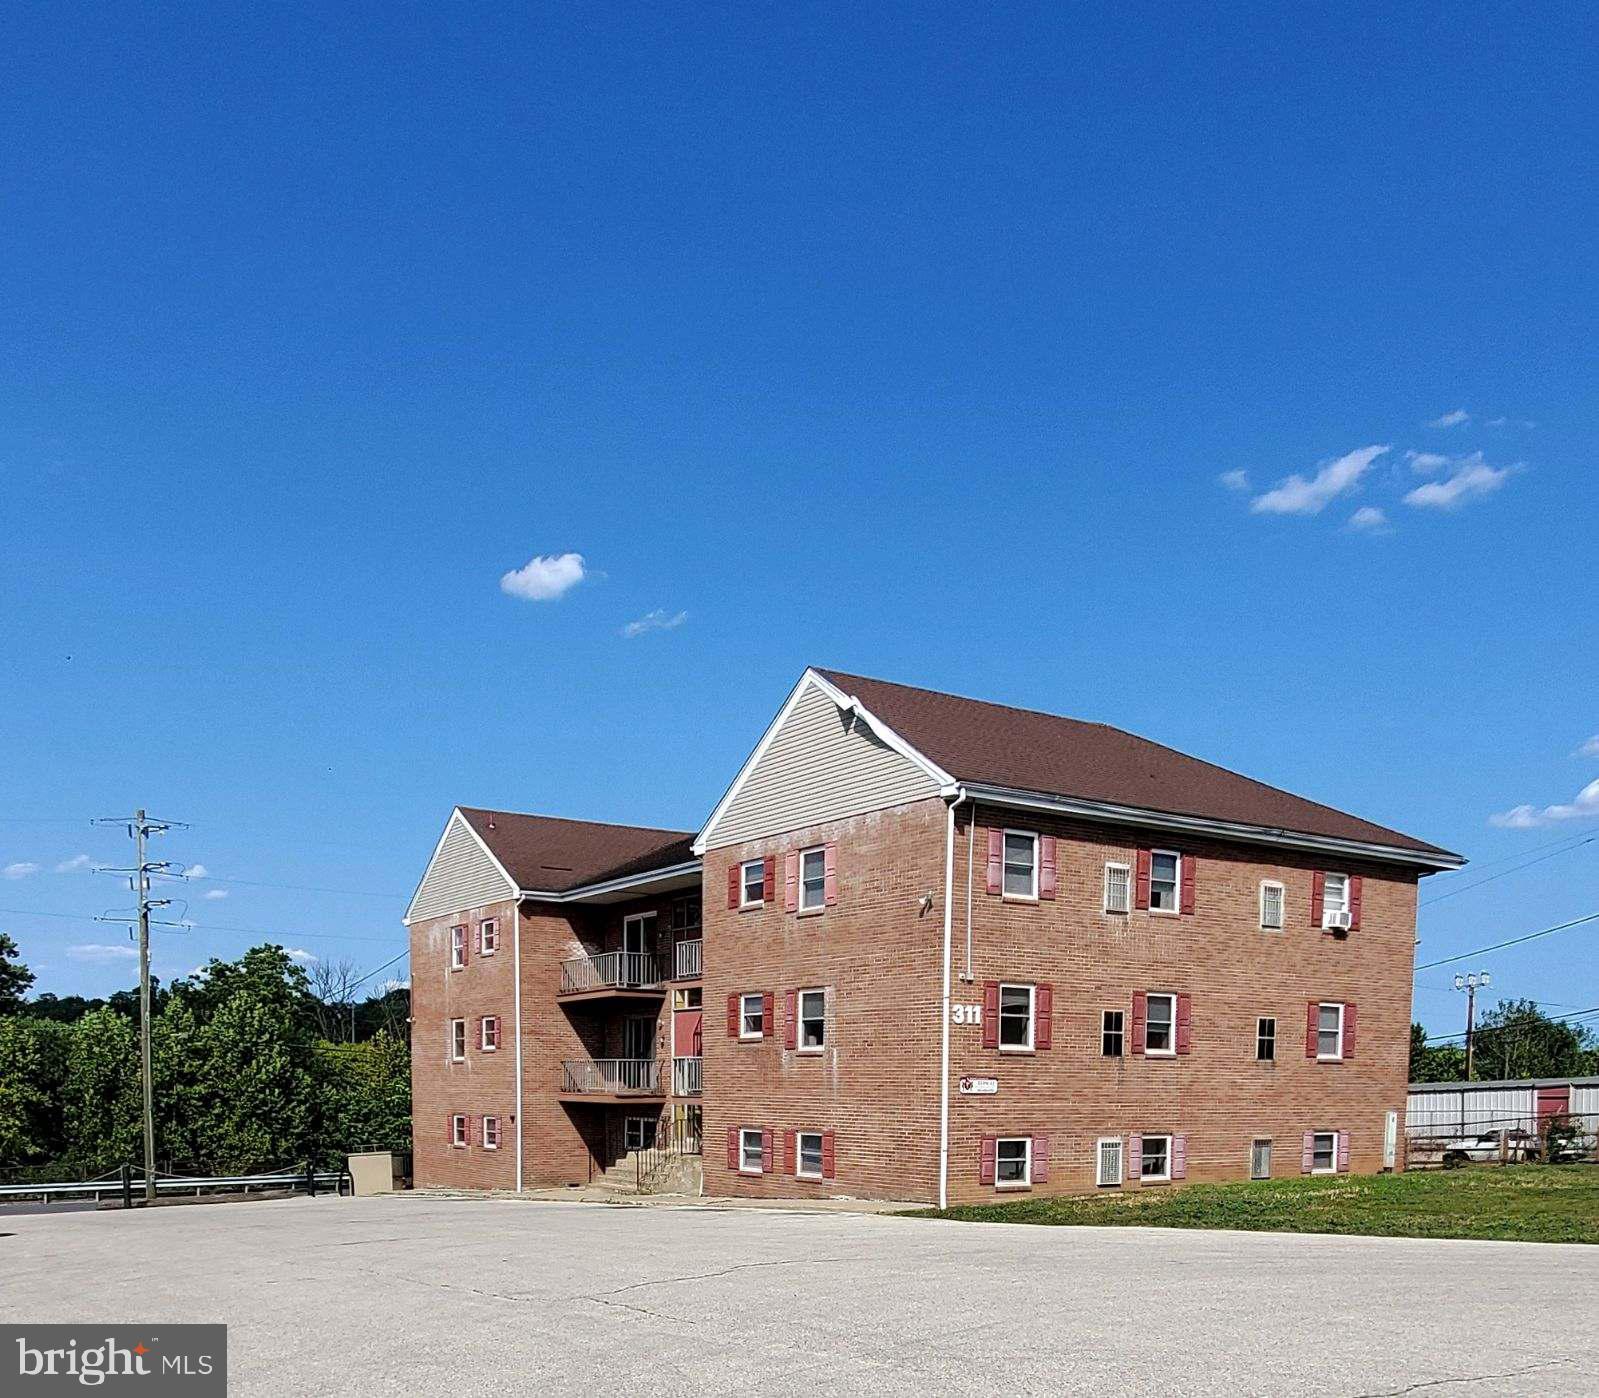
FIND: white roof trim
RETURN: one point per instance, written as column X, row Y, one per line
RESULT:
column 847, row 702
column 455, row 815
column 619, row 885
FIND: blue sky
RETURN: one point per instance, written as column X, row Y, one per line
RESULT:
column 1228, row 377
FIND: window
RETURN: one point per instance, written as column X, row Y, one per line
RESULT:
column 812, row 1021
column 749, row 1152
column 457, row 948
column 689, row 999
column 1260, row 1160
column 489, row 1039
column 1155, row 1163
column 813, row 881
column 808, row 1155
column 1108, row 1161
column 1324, row 1153
column 1016, row 1016
column 1265, row 1040
column 686, row 914
column 458, row 1133
column 491, row 1133
column 1163, row 871
column 1330, row 1031
column 1335, row 895
column 458, row 1040
column 1160, row 1035
column 1021, row 864
column 1111, row 1034
column 752, row 1016
column 1271, row 906
column 752, row 883
column 638, row 1132
column 488, row 937
column 1013, row 1162
column 1118, row 888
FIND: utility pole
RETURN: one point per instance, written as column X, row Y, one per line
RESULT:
column 1469, row 984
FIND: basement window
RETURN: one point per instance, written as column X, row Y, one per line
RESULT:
column 808, row 1155
column 1324, row 1153
column 491, row 1133
column 1013, row 1162
column 749, row 1152
column 458, row 1131
column 1155, row 1163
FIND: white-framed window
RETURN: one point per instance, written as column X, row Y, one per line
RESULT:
column 812, row 1021
column 1020, row 875
column 1015, row 1018
column 1013, row 1162
column 813, row 880
column 1266, row 1039
column 458, row 1131
column 688, row 998
column 1324, row 1153
column 1155, row 1163
column 1260, row 1159
column 1334, row 896
column 489, row 1033
column 488, row 937
column 808, row 1155
column 1160, row 1024
column 1113, row 1033
column 1329, row 1030
column 750, row 1154
column 1272, row 897
column 1118, row 888
column 491, row 1133
column 752, row 1016
column 752, row 883
column 1165, row 871
column 686, row 913
column 458, row 1041
column 457, row 947
column 1108, row 1161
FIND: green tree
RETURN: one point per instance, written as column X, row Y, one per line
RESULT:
column 1516, row 1039
column 15, row 978
column 101, row 1097
column 32, row 1070
column 254, row 1085
column 1434, row 1063
column 365, row 1096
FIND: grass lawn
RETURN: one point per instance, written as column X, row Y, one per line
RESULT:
column 1523, row 1203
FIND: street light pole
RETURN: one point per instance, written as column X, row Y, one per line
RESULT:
column 1469, row 984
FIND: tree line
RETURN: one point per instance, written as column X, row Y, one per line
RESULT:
column 253, row 1069
column 1515, row 1039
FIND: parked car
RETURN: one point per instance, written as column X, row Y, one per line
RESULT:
column 1463, row 1150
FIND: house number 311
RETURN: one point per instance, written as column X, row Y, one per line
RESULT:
column 966, row 1014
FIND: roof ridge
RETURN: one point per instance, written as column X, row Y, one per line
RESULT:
column 986, row 703
column 573, row 820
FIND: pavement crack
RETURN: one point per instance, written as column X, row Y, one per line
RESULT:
column 1465, row 1378
column 708, row 1276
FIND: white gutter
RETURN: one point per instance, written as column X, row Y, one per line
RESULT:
column 516, row 1010
column 943, row 1077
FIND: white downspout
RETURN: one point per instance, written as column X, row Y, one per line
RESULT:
column 971, row 850
column 949, row 932
column 516, row 1010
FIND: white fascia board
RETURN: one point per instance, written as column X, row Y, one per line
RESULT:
column 621, row 885
column 455, row 815
column 1204, row 825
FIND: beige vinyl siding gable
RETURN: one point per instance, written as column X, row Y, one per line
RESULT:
column 459, row 876
column 822, row 764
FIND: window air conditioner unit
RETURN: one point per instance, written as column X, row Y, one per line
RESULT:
column 1337, row 921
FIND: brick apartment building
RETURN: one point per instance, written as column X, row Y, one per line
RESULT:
column 924, row 948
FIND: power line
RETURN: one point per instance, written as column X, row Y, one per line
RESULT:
column 216, row 927
column 1514, row 941
column 1477, row 865
column 296, row 887
column 384, row 967
column 1576, row 1017
column 1505, row 873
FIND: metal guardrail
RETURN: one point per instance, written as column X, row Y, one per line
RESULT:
column 130, row 1186
column 686, row 1076
column 612, row 970
column 620, row 1077
column 686, row 959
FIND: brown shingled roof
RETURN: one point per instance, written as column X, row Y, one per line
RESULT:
column 1025, row 750
column 546, row 854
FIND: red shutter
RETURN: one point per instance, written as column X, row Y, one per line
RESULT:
column 449, row 1128
column 732, row 884
column 1140, row 1019
column 1186, row 903
column 1312, row 1009
column 1185, row 1022
column 985, row 1170
column 1040, row 1159
column 768, row 1023
column 1307, row 1160
column 790, row 1019
column 1044, row 1017
column 766, row 1150
column 732, row 1016
column 996, row 860
column 1318, row 897
column 1141, row 883
column 1349, row 1030
column 769, row 879
column 791, row 881
column 1048, row 867
column 828, row 1156
column 1179, row 1157
column 788, row 1152
column 1355, row 882
column 1135, row 1157
column 466, row 946
column 830, row 874
column 1343, row 1152
column 732, row 1147
column 990, row 1014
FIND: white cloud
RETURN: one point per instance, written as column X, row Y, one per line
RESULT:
column 1510, row 422
column 1472, row 477
column 1234, row 480
column 20, row 870
column 197, row 871
column 1453, row 419
column 1423, row 462
column 1298, row 496
column 1368, row 519
column 1584, row 807
column 1589, row 749
column 71, row 866
column 543, row 578
column 658, row 620
column 301, row 955
column 216, row 894
column 392, row 984
column 97, row 951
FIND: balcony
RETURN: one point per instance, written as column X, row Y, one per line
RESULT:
column 686, row 960
column 686, row 1077
column 613, row 974
column 611, row 1079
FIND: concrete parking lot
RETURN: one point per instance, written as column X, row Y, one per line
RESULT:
column 420, row 1296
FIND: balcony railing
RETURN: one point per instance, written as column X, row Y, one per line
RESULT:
column 686, row 960
column 611, row 970
column 620, row 1077
column 686, row 1077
